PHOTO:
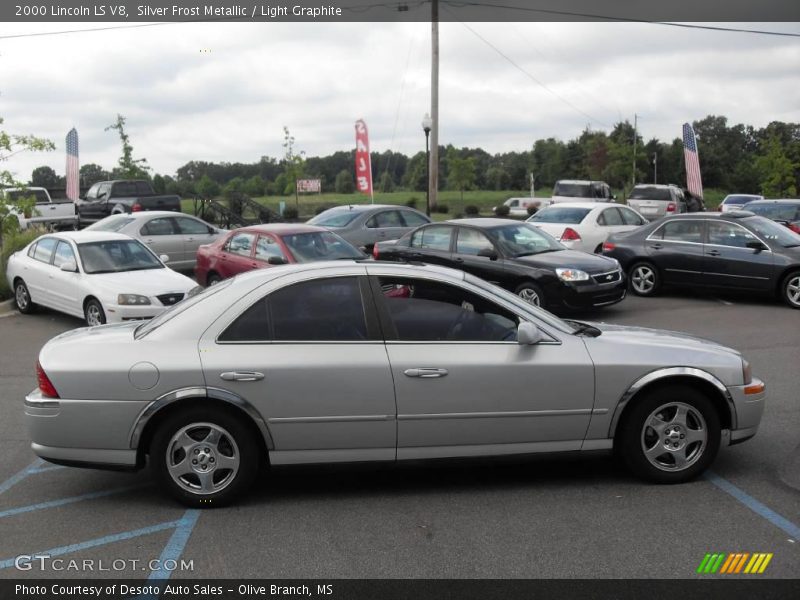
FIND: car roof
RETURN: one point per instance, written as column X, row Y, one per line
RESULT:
column 580, row 181
column 153, row 213
column 585, row 204
column 366, row 207
column 775, row 201
column 280, row 228
column 727, row 216
column 659, row 186
column 481, row 222
column 80, row 237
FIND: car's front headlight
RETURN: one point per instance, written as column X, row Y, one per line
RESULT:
column 572, row 275
column 132, row 299
column 194, row 291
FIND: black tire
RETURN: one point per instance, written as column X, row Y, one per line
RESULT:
column 212, row 279
column 650, row 454
column 790, row 289
column 236, row 441
column 93, row 313
column 599, row 249
column 644, row 279
column 22, row 298
column 531, row 293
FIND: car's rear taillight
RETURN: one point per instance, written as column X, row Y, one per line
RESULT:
column 608, row 246
column 136, row 207
column 794, row 227
column 671, row 207
column 375, row 252
column 45, row 385
column 570, row 235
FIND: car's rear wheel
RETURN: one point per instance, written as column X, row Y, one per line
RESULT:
column 22, row 298
column 790, row 289
column 671, row 435
column 212, row 279
column 204, row 457
column 644, row 279
column 531, row 293
column 94, row 313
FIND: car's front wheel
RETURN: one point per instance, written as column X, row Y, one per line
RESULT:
column 204, row 457
column 94, row 313
column 531, row 293
column 790, row 289
column 212, row 279
column 644, row 279
column 22, row 298
column 671, row 435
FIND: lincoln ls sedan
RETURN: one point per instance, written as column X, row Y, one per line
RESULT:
column 358, row 361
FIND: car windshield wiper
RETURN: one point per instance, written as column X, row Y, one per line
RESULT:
column 536, row 252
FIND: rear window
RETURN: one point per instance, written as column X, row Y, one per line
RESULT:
column 776, row 212
column 40, row 195
column 132, row 188
column 573, row 190
column 113, row 223
column 558, row 214
column 739, row 199
column 650, row 193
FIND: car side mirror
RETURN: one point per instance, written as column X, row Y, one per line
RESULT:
column 528, row 334
column 488, row 253
column 69, row 266
column 164, row 258
column 756, row 245
column 276, row 260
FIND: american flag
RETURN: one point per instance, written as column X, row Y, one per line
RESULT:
column 73, row 176
column 693, row 182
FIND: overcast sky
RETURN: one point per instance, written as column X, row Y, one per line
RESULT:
column 223, row 92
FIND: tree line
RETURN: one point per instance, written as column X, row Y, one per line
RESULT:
column 733, row 158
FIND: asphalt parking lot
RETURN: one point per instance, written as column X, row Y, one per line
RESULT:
column 561, row 518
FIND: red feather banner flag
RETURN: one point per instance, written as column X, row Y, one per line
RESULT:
column 363, row 163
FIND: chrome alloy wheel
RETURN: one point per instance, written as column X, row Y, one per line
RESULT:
column 643, row 279
column 93, row 316
column 203, row 458
column 530, row 296
column 792, row 290
column 21, row 296
column 674, row 436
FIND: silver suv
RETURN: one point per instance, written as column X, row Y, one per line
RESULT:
column 654, row 201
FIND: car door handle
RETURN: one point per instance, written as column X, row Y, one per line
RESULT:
column 656, row 246
column 713, row 252
column 425, row 372
column 241, row 376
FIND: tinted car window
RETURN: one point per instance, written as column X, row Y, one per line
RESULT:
column 159, row 226
column 524, row 240
column 132, row 188
column 680, row 231
column 575, row 190
column 433, row 238
column 39, row 195
column 320, row 245
column 241, row 243
column 471, row 241
column 630, row 217
column 250, row 326
column 427, row 311
column 738, row 200
column 776, row 212
column 266, row 247
column 413, row 219
column 44, row 249
column 389, row 218
column 650, row 193
column 610, row 216
column 560, row 214
column 64, row 254
column 189, row 226
column 773, row 232
column 319, row 310
column 721, row 233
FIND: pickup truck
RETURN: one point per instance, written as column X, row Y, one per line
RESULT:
column 123, row 196
column 58, row 214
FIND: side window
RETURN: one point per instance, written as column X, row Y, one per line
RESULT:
column 267, row 247
column 433, row 238
column 32, row 250
column 513, row 204
column 250, row 326
column 388, row 218
column 104, row 188
column 428, row 311
column 64, row 254
column 44, row 249
column 610, row 217
column 188, row 226
column 682, row 230
column 728, row 234
column 319, row 310
column 92, row 193
column 413, row 219
column 630, row 217
column 241, row 243
column 158, row 226
column 471, row 241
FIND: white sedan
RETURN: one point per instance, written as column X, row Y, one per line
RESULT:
column 99, row 276
column 586, row 225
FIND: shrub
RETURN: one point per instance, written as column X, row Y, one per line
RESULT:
column 412, row 202
column 290, row 212
column 502, row 210
column 12, row 243
column 441, row 208
column 471, row 210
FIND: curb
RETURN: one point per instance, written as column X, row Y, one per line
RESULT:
column 7, row 308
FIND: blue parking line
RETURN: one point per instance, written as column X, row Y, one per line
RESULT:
column 757, row 507
column 62, row 501
column 108, row 539
column 176, row 544
column 15, row 479
column 47, row 468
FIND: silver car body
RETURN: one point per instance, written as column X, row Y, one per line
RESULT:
column 366, row 224
column 368, row 400
column 165, row 232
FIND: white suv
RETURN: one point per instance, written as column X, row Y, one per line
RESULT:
column 574, row 190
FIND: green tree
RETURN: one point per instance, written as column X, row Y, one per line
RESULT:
column 91, row 174
column 159, row 185
column 45, row 177
column 460, row 171
column 255, row 186
column 496, row 178
column 207, row 188
column 776, row 170
column 129, row 167
column 385, row 182
column 293, row 163
column 344, row 182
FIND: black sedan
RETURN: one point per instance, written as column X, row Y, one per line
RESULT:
column 515, row 256
column 735, row 250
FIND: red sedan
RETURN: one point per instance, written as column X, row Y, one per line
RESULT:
column 261, row 246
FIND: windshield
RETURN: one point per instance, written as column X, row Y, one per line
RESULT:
column 774, row 232
column 334, row 218
column 113, row 223
column 560, row 214
column 320, row 245
column 573, row 190
column 776, row 212
column 116, row 256
column 523, row 240
column 176, row 309
column 739, row 199
column 650, row 193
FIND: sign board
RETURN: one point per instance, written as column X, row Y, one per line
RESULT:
column 309, row 186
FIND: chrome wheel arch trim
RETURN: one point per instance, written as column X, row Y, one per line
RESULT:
column 666, row 373
column 211, row 393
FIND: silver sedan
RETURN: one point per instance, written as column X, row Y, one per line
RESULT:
column 174, row 234
column 366, row 224
column 369, row 361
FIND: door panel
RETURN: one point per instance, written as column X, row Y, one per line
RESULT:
column 63, row 284
column 730, row 263
column 676, row 248
column 161, row 235
column 194, row 234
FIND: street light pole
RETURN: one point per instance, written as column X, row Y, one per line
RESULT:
column 655, row 167
column 426, row 127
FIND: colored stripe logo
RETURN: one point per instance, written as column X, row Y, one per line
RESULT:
column 735, row 563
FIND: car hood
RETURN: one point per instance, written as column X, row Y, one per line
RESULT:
column 591, row 263
column 150, row 282
column 659, row 337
